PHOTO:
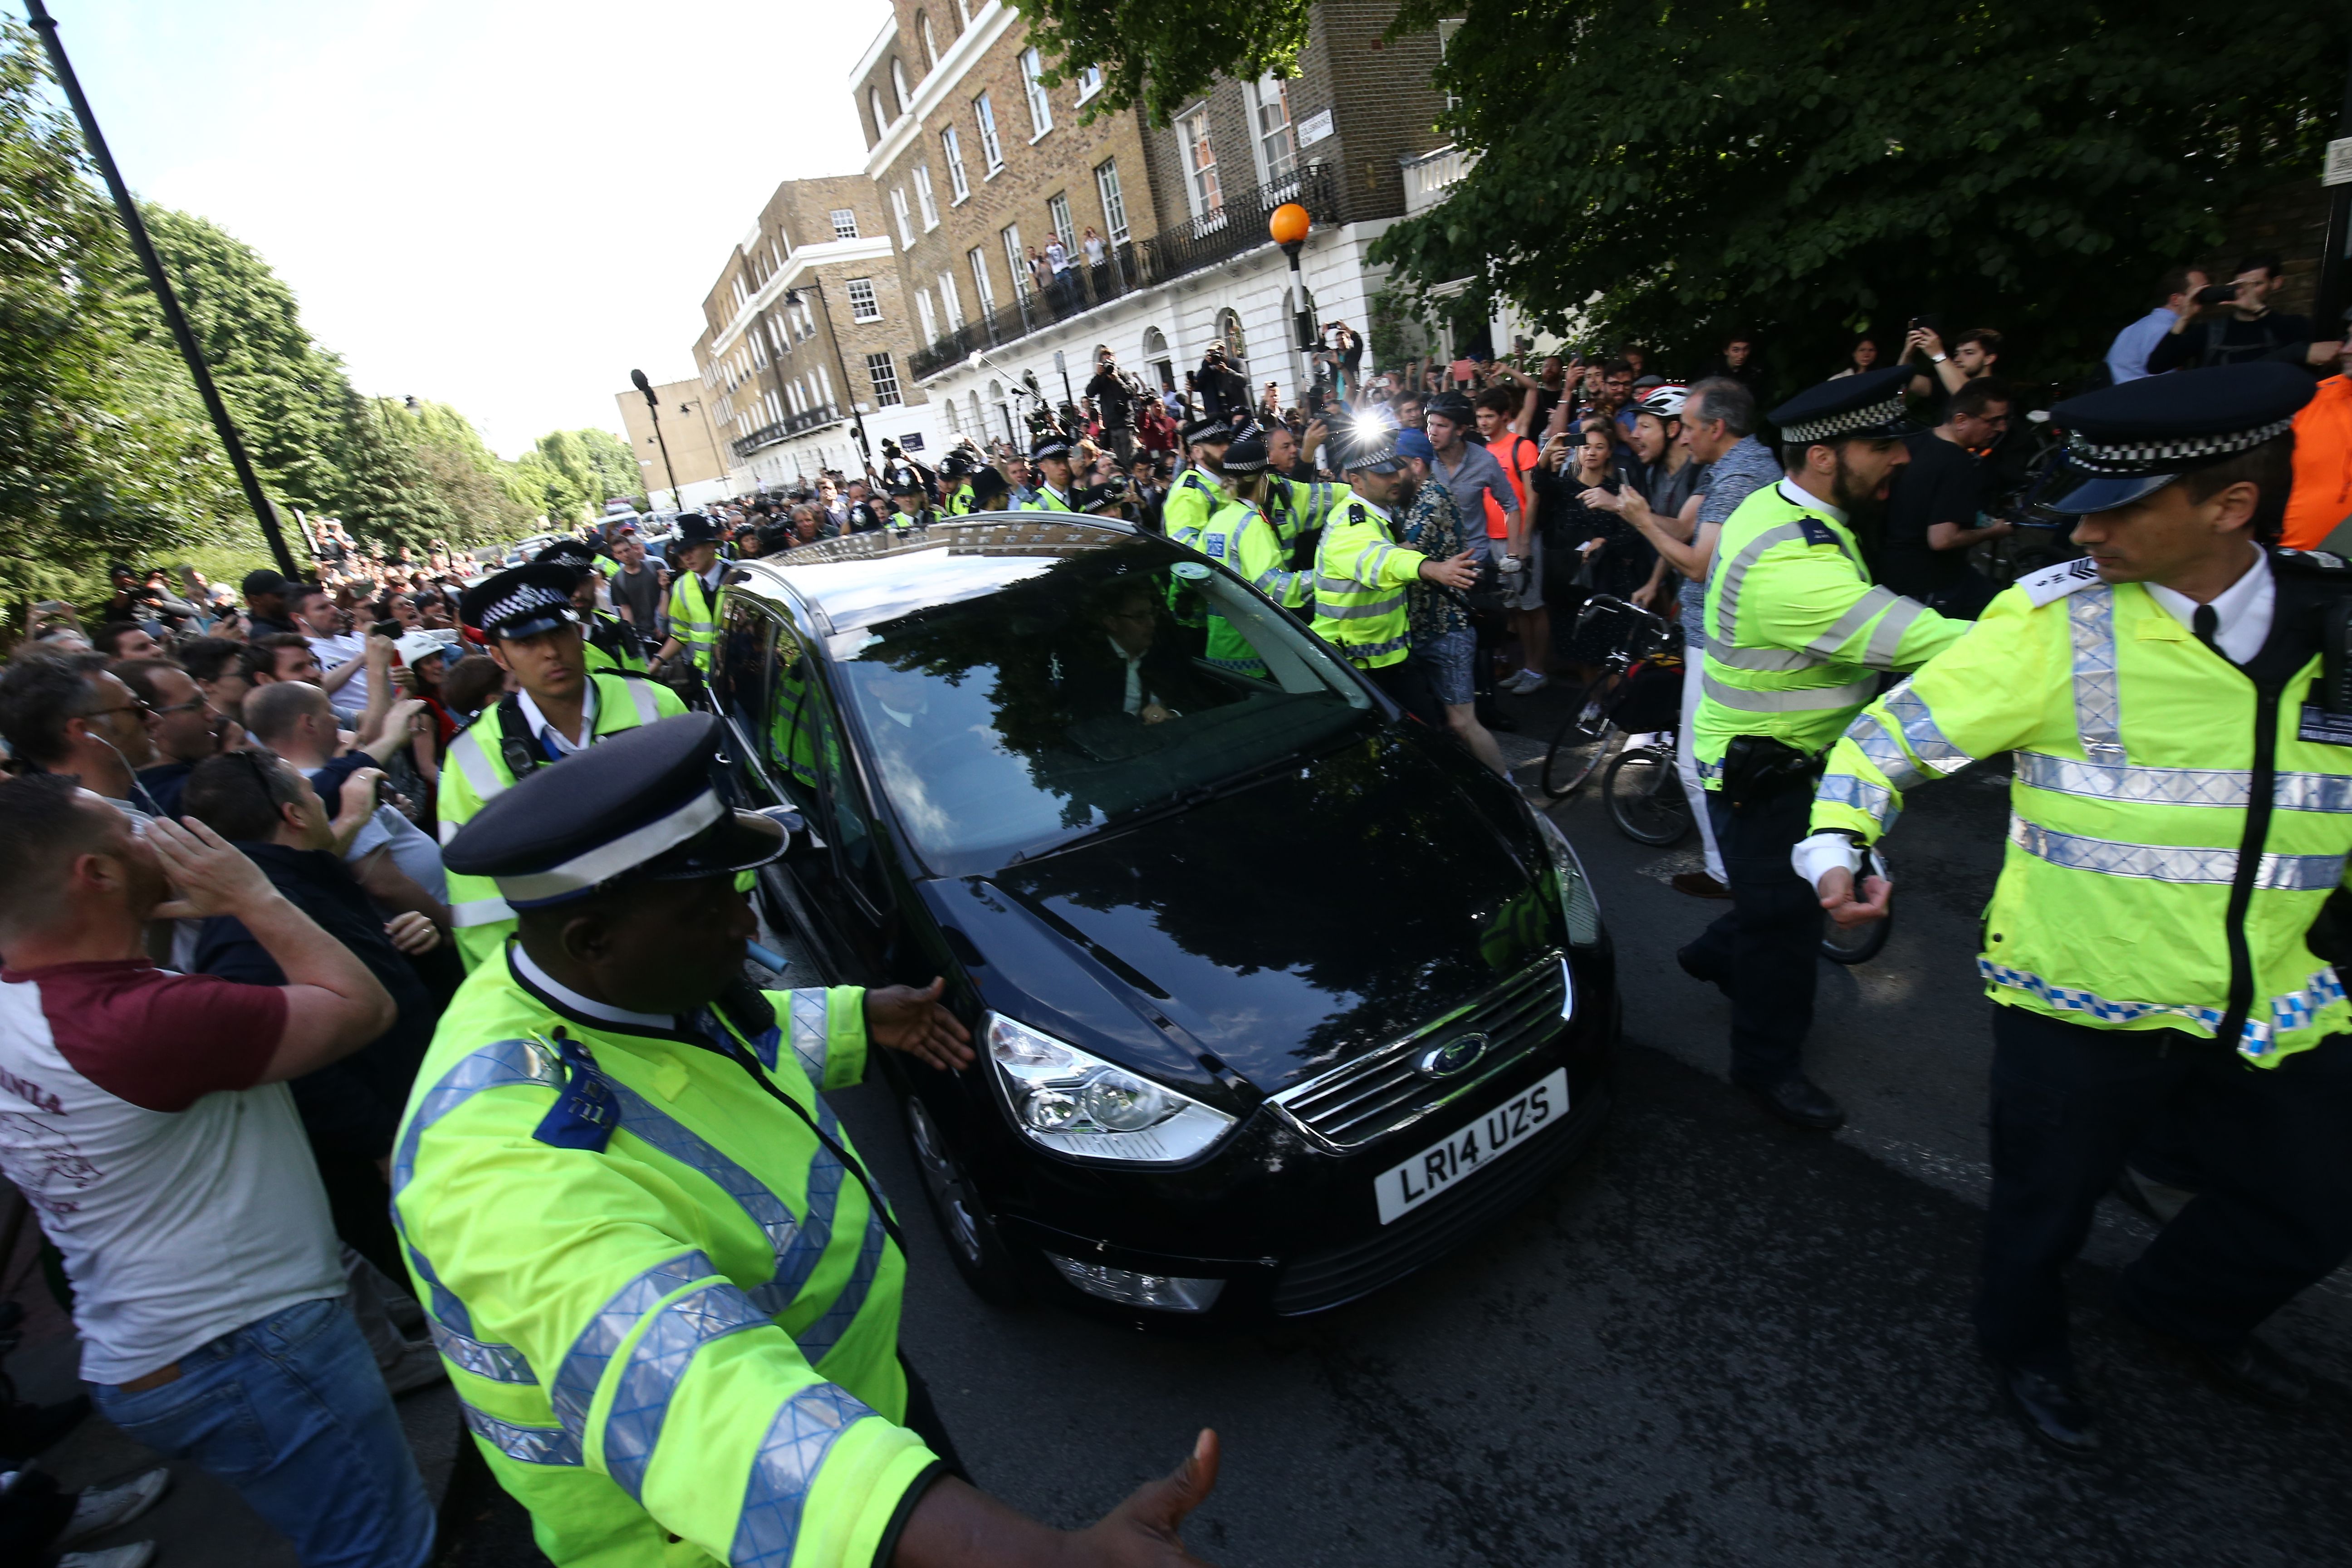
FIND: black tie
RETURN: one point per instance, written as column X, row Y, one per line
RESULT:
column 2205, row 623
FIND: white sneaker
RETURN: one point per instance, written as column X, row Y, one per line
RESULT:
column 138, row 1554
column 101, row 1508
column 1530, row 682
column 1515, row 683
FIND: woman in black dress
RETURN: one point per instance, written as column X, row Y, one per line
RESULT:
column 1595, row 551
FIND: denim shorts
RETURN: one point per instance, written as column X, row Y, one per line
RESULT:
column 1449, row 661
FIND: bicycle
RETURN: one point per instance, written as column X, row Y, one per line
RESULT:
column 1642, row 666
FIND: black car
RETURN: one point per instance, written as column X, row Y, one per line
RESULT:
column 1263, row 974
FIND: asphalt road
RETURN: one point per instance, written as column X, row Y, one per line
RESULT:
column 1717, row 1339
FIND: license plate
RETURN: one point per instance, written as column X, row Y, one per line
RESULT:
column 1472, row 1149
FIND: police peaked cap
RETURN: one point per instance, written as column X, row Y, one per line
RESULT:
column 1866, row 407
column 1050, row 446
column 521, row 601
column 693, row 529
column 644, row 804
column 1207, row 431
column 2129, row 441
column 569, row 552
column 1246, row 455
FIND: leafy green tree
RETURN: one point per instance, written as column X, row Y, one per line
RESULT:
column 102, row 451
column 1156, row 57
column 389, row 496
column 1805, row 168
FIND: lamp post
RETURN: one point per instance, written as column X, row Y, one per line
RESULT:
column 165, row 299
column 677, row 499
column 1288, row 226
column 856, row 414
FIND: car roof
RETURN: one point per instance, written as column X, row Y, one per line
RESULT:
column 861, row 578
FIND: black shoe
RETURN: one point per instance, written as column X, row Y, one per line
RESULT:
column 1691, row 966
column 2053, row 1413
column 2251, row 1369
column 1801, row 1101
column 1698, row 885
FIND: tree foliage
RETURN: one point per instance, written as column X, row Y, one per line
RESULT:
column 1156, row 57
column 1666, row 172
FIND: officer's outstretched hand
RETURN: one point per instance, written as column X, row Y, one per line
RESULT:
column 905, row 1019
column 1837, row 895
column 959, row 1525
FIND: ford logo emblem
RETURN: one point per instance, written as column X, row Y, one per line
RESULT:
column 1455, row 1057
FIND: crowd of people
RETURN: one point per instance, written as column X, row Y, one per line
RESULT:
column 228, row 906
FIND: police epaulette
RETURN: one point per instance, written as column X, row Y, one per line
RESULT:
column 2325, row 564
column 2053, row 583
column 1816, row 531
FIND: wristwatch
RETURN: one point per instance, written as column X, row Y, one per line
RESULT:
column 1938, row 358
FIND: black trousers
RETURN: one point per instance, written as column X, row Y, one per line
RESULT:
column 1763, row 950
column 2274, row 1146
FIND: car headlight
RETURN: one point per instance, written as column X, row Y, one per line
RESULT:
column 1079, row 1104
column 1578, row 907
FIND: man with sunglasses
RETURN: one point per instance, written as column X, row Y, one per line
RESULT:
column 69, row 714
column 185, row 728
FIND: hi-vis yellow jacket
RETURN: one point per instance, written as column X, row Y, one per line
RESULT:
column 655, row 1276
column 1795, row 633
column 2173, row 830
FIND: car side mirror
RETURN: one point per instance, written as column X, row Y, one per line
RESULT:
column 800, row 839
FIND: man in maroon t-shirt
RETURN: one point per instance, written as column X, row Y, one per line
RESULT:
column 145, row 1117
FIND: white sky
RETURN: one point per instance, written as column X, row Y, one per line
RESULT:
column 501, row 205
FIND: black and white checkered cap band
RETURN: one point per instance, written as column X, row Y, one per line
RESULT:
column 1835, row 425
column 522, row 602
column 2167, row 456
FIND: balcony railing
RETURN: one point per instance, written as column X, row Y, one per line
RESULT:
column 783, row 429
column 1232, row 229
column 1428, row 175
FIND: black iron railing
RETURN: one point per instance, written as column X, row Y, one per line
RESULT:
column 783, row 429
column 1230, row 231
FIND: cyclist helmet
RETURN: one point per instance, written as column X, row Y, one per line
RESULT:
column 1666, row 402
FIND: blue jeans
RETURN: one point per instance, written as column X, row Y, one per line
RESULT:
column 292, row 1412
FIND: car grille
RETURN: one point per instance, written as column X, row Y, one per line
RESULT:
column 1383, row 1092
column 1318, row 1281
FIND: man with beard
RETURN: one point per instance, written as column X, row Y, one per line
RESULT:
column 1794, row 635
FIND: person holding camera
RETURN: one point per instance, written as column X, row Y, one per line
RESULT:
column 1115, row 399
column 2234, row 324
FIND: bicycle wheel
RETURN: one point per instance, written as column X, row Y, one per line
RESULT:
column 1583, row 740
column 1645, row 796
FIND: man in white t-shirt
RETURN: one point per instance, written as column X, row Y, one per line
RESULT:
column 145, row 1117
column 341, row 654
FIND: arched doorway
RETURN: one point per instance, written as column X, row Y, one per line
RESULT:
column 1229, row 331
column 1155, row 354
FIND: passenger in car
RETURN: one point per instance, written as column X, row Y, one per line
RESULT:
column 1130, row 669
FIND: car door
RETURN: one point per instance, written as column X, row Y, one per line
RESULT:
column 842, row 890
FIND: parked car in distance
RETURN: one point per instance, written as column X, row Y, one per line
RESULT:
column 1278, row 995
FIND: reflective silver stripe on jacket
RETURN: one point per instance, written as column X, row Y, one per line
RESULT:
column 2293, row 1011
column 582, row 1369
column 1734, row 571
column 1771, row 660
column 809, row 1019
column 1875, row 800
column 1911, row 713
column 1804, row 699
column 1873, row 602
column 532, row 1445
column 657, row 1363
column 784, row 1471
column 2162, row 863
column 479, row 913
column 2098, row 708
column 641, row 695
column 466, row 752
column 1879, row 744
column 2180, row 786
column 1886, row 639
column 1358, row 612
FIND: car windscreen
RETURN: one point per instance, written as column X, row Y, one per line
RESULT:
column 1087, row 690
